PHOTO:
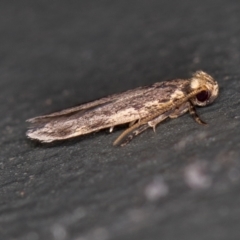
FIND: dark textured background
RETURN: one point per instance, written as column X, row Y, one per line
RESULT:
column 181, row 183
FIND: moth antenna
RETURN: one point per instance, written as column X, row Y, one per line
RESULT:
column 125, row 133
column 172, row 105
column 134, row 133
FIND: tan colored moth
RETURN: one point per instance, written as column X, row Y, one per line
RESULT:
column 142, row 108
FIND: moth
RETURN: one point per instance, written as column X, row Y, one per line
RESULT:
column 141, row 108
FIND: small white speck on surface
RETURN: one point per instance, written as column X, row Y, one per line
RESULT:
column 58, row 232
column 196, row 177
column 156, row 189
column 188, row 140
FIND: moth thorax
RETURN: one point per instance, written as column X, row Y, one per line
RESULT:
column 195, row 83
column 199, row 79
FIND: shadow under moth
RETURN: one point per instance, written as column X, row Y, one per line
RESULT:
column 141, row 108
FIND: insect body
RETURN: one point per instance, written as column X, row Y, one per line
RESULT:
column 142, row 108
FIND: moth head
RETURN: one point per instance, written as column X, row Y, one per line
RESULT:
column 206, row 88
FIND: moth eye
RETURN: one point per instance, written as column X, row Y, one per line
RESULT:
column 203, row 96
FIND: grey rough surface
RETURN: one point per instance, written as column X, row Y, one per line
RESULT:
column 181, row 183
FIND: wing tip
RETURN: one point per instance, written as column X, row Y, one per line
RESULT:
column 41, row 137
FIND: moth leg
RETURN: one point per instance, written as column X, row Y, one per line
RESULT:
column 194, row 114
column 137, row 128
column 188, row 106
column 180, row 110
column 136, row 132
column 153, row 123
column 132, row 123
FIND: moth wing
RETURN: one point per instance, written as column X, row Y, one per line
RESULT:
column 107, row 112
column 86, row 118
column 125, row 96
